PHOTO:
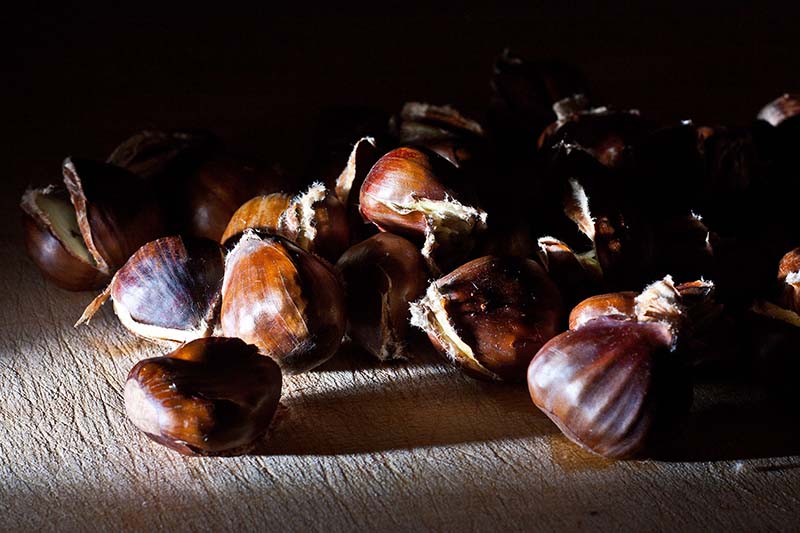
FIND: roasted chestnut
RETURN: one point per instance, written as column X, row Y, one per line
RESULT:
column 315, row 219
column 789, row 280
column 405, row 193
column 620, row 376
column 168, row 291
column 214, row 396
column 284, row 300
column 157, row 154
column 382, row 275
column 112, row 213
column 491, row 315
column 576, row 276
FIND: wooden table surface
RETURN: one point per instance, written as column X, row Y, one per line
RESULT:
column 359, row 446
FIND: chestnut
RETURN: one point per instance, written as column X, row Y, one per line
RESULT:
column 112, row 213
column 576, row 276
column 315, row 219
column 491, row 315
column 382, row 275
column 789, row 280
column 441, row 129
column 168, row 291
column 214, row 396
column 284, row 300
column 405, row 193
column 620, row 376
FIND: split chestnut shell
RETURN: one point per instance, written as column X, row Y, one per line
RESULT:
column 491, row 315
column 168, row 291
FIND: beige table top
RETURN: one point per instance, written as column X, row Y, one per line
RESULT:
column 360, row 446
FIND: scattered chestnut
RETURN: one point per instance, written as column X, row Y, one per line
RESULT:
column 576, row 276
column 491, row 315
column 155, row 154
column 112, row 213
column 315, row 219
column 284, row 300
column 54, row 241
column 382, row 275
column 405, row 193
column 213, row 396
column 168, row 291
column 619, row 377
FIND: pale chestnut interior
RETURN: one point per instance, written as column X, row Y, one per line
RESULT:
column 64, row 222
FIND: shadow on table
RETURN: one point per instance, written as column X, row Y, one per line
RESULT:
column 736, row 422
column 402, row 410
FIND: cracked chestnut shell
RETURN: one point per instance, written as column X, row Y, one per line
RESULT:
column 284, row 300
column 491, row 315
column 382, row 276
column 405, row 193
column 214, row 396
column 79, row 236
column 168, row 291
column 315, row 220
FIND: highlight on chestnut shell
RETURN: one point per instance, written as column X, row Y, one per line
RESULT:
column 212, row 396
column 491, row 315
column 406, row 193
column 286, row 301
column 382, row 276
column 621, row 376
column 168, row 291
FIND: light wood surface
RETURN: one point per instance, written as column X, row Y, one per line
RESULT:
column 359, row 446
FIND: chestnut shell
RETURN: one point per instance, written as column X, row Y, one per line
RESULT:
column 213, row 396
column 610, row 384
column 503, row 309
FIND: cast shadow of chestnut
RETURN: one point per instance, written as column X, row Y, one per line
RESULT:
column 350, row 356
column 402, row 409
column 735, row 422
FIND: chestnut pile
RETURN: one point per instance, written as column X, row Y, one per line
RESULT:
column 561, row 243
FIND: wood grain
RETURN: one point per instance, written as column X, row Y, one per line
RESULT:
column 359, row 446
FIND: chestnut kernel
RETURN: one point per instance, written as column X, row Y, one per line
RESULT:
column 405, row 193
column 382, row 276
column 168, row 291
column 284, row 300
column 213, row 396
column 491, row 315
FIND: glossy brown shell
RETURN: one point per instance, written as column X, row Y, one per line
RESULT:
column 504, row 309
column 213, row 396
column 382, row 275
column 618, row 305
column 607, row 384
column 284, row 300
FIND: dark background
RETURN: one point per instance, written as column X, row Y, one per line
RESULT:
column 83, row 78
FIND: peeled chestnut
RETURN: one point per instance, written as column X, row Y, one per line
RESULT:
column 315, row 219
column 382, row 275
column 284, row 300
column 80, row 238
column 214, row 396
column 168, row 291
column 620, row 377
column 491, row 315
column 405, row 193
